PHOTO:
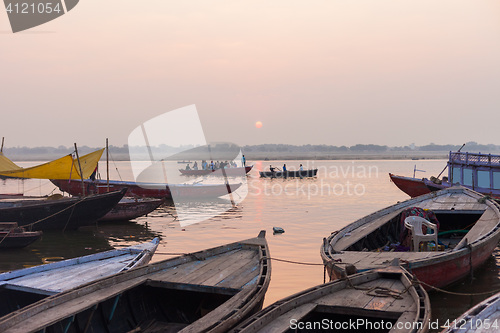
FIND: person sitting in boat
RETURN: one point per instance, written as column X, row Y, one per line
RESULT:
column 195, row 166
column 187, row 167
column 271, row 168
column 212, row 165
column 301, row 168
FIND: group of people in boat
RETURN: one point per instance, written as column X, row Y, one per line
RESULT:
column 212, row 165
column 272, row 169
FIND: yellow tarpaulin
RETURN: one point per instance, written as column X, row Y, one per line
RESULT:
column 6, row 164
column 63, row 168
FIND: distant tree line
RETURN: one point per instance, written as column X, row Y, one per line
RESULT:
column 281, row 148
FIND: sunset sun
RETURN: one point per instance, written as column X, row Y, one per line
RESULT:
column 258, row 124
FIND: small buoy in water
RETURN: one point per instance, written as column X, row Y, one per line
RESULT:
column 278, row 230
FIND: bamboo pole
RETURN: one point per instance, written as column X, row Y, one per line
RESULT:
column 1, row 149
column 80, row 167
column 107, row 165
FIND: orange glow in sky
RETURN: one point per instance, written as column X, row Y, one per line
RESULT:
column 258, row 124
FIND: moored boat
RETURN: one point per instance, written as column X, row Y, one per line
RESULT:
column 289, row 173
column 383, row 298
column 479, row 172
column 12, row 236
column 60, row 214
column 469, row 230
column 230, row 172
column 131, row 208
column 25, row 286
column 206, row 291
column 147, row 190
column 411, row 186
column 484, row 317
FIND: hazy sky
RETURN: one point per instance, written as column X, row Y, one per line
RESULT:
column 337, row 72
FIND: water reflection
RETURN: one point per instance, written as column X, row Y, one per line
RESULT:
column 55, row 245
column 485, row 279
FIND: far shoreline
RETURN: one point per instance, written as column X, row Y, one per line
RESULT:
column 274, row 156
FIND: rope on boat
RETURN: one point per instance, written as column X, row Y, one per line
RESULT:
column 456, row 293
column 8, row 233
column 56, row 213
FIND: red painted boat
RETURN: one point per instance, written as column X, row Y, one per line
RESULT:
column 147, row 190
column 230, row 172
column 411, row 186
column 374, row 240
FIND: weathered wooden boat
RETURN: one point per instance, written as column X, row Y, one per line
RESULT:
column 411, row 186
column 60, row 214
column 385, row 298
column 206, row 291
column 469, row 229
column 26, row 286
column 229, row 172
column 12, row 236
column 131, row 208
column 147, row 190
column 484, row 317
column 479, row 172
column 289, row 173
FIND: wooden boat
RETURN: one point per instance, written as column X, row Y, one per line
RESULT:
column 230, row 172
column 26, row 286
column 61, row 214
column 12, row 236
column 206, row 291
column 383, row 297
column 479, row 172
column 411, row 186
column 131, row 208
column 469, row 226
column 289, row 173
column 484, row 317
column 147, row 190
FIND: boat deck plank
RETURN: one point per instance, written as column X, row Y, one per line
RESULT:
column 282, row 323
column 67, row 277
column 230, row 270
column 247, row 273
column 212, row 274
column 369, row 260
column 214, row 271
column 179, row 273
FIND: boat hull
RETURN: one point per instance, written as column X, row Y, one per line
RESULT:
column 289, row 174
column 62, row 214
column 411, row 186
column 159, row 191
column 18, row 240
column 229, row 172
column 131, row 209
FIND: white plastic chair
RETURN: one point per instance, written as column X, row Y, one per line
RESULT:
column 414, row 224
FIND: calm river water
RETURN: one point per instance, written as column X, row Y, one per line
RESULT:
column 307, row 209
